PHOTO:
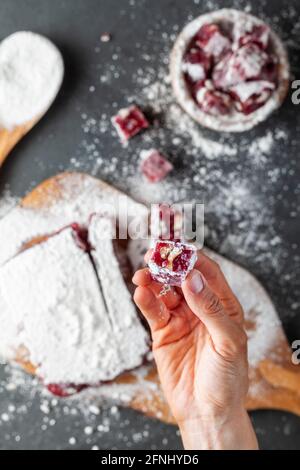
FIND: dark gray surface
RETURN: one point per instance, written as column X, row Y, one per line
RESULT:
column 75, row 26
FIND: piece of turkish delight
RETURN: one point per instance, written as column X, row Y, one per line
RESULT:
column 129, row 122
column 213, row 101
column 171, row 261
column 250, row 96
column 248, row 32
column 196, row 64
column 212, row 41
column 154, row 166
column 244, row 64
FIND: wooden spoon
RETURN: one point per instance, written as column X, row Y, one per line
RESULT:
column 9, row 139
column 32, row 46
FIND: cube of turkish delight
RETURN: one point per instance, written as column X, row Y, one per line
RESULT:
column 212, row 41
column 129, row 122
column 154, row 166
column 247, row 32
column 171, row 261
column 252, row 95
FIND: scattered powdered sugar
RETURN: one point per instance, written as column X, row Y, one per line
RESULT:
column 7, row 202
column 262, row 146
column 28, row 401
column 31, row 72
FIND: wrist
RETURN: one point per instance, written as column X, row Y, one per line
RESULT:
column 221, row 431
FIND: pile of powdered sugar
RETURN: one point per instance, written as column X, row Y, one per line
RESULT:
column 84, row 337
column 31, row 72
column 7, row 202
column 88, row 337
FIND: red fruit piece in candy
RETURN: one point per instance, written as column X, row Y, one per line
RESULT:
column 128, row 122
column 213, row 102
column 244, row 64
column 248, row 32
column 65, row 390
column 270, row 70
column 250, row 96
column 171, row 261
column 154, row 166
column 196, row 64
column 212, row 41
column 81, row 236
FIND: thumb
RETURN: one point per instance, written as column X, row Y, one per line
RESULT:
column 228, row 338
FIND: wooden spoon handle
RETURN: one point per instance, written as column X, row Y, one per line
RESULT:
column 9, row 138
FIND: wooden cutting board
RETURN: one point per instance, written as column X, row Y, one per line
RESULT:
column 274, row 381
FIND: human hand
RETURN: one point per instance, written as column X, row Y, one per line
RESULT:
column 200, row 348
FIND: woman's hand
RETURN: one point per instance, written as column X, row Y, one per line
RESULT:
column 200, row 348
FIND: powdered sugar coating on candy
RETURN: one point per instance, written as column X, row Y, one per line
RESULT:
column 245, row 32
column 129, row 122
column 211, row 40
column 171, row 261
column 213, row 102
column 196, row 65
column 154, row 166
column 251, row 95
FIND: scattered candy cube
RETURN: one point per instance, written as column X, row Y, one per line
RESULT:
column 244, row 64
column 250, row 96
column 171, row 261
column 129, row 122
column 211, row 40
column 154, row 166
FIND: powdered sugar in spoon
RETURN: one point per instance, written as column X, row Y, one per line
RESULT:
column 31, row 73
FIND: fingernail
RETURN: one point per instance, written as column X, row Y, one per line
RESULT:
column 195, row 283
